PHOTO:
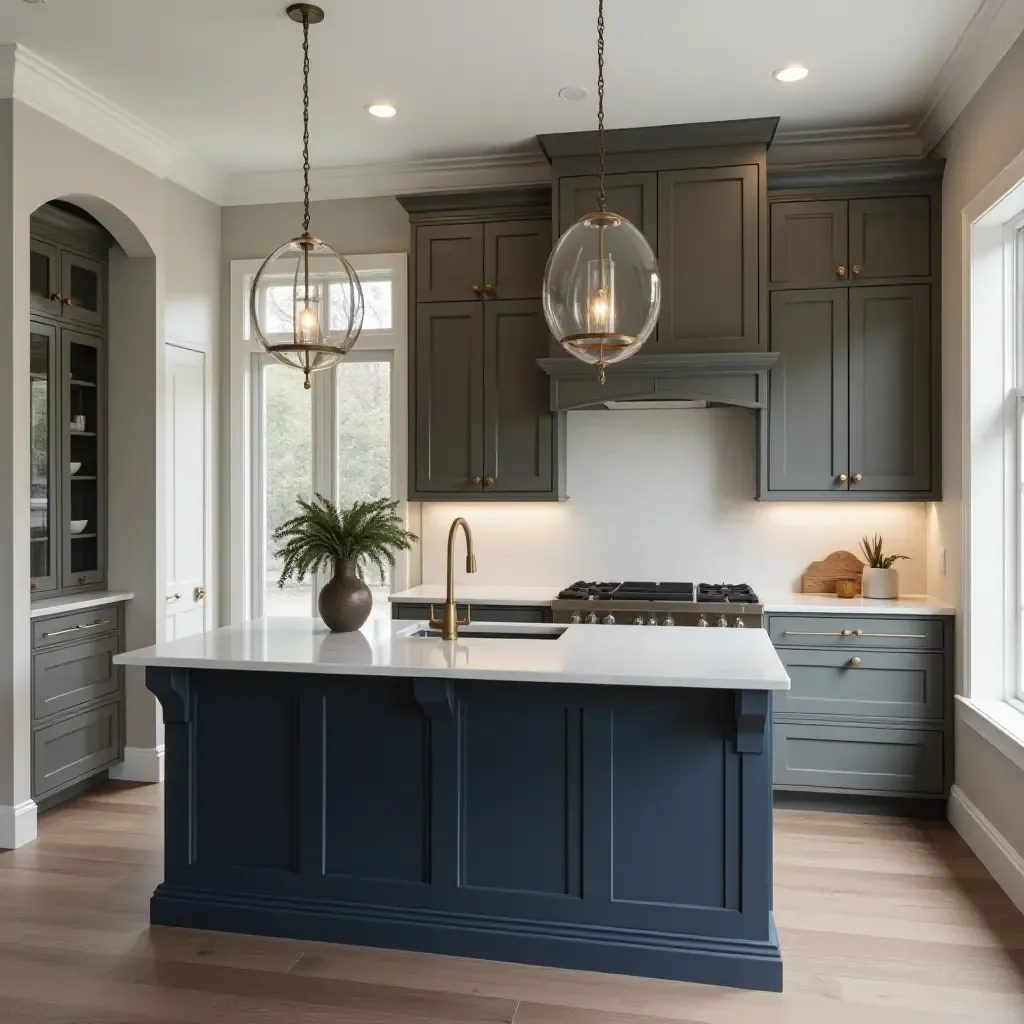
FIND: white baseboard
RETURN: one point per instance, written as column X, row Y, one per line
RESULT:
column 141, row 764
column 989, row 845
column 17, row 825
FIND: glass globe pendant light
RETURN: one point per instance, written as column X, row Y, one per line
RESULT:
column 602, row 289
column 306, row 303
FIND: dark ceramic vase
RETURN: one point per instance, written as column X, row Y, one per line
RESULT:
column 345, row 602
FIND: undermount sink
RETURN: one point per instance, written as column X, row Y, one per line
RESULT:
column 493, row 631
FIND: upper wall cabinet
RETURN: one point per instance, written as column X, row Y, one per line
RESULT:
column 697, row 192
column 821, row 243
column 480, row 423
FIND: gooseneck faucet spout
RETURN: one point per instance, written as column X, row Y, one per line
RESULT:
column 449, row 622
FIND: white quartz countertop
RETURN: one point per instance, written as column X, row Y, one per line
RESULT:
column 77, row 602
column 720, row 659
column 912, row 604
column 467, row 593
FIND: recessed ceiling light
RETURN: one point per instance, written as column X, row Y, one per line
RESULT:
column 573, row 93
column 381, row 110
column 793, row 73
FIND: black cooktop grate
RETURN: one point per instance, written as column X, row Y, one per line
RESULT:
column 632, row 590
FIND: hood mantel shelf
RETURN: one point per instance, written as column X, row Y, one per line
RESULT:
column 717, row 379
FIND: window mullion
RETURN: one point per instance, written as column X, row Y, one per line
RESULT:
column 324, row 411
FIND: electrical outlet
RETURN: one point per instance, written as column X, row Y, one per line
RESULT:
column 942, row 561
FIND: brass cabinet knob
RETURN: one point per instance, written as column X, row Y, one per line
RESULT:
column 82, row 580
column 35, row 586
column 56, row 297
column 846, row 632
column 841, row 271
column 857, row 478
column 842, row 478
column 477, row 480
column 854, row 662
column 856, row 270
column 67, row 300
column 477, row 289
column 488, row 289
column 488, row 480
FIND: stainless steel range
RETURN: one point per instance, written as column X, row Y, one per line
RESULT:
column 659, row 604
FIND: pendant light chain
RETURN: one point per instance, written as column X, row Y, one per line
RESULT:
column 305, row 122
column 600, row 106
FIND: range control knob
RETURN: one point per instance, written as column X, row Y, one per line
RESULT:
column 575, row 618
column 722, row 622
column 652, row 621
column 739, row 623
column 702, row 622
column 592, row 618
column 609, row 620
column 668, row 621
column 638, row 620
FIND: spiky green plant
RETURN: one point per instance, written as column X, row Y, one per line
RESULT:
column 872, row 548
column 323, row 534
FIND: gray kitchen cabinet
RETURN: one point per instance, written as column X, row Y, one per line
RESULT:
column 808, row 405
column 634, row 195
column 710, row 244
column 480, row 612
column 448, row 399
column 449, row 262
column 77, row 700
column 518, row 443
column 890, row 389
column 481, row 427
column 890, row 237
column 83, row 288
column 44, row 467
column 869, row 711
column 808, row 243
column 44, row 277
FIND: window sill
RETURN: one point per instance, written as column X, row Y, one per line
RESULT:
column 998, row 721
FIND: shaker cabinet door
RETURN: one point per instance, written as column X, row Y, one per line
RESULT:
column 635, row 196
column 449, row 262
column 44, row 277
column 518, row 426
column 808, row 244
column 890, row 238
column 515, row 254
column 709, row 252
column 890, row 388
column 44, row 467
column 448, row 456
column 83, row 287
column 807, row 408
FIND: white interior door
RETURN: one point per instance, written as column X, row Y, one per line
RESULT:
column 186, row 448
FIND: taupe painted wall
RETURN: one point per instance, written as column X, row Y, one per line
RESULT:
column 986, row 138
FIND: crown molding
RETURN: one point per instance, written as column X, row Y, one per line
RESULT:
column 34, row 81
column 362, row 181
column 837, row 145
column 986, row 40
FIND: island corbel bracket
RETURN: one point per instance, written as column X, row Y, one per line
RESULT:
column 171, row 687
column 435, row 696
column 753, row 708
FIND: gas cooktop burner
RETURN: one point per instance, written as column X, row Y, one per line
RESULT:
column 631, row 590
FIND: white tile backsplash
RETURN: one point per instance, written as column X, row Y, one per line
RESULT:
column 666, row 495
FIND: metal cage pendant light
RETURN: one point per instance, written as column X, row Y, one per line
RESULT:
column 322, row 290
column 602, row 289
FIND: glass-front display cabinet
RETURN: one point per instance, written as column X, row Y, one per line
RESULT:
column 44, row 512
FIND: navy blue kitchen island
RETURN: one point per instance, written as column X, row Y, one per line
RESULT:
column 446, row 800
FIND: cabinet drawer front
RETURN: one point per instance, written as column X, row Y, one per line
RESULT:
column 68, row 676
column 883, row 685
column 862, row 760
column 85, row 625
column 76, row 747
column 853, row 632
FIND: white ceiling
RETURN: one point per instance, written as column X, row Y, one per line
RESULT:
column 221, row 78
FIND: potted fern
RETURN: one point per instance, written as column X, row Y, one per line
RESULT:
column 879, row 580
column 348, row 539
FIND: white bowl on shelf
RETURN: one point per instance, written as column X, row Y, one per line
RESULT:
column 75, row 467
column 79, row 525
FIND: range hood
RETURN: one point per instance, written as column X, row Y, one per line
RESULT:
column 662, row 382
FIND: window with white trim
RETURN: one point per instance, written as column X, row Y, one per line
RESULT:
column 345, row 437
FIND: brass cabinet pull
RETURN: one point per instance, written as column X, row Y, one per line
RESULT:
column 93, row 625
column 476, row 480
column 854, row 662
column 841, row 271
column 75, row 629
column 488, row 480
column 813, row 632
column 477, row 289
column 61, row 632
column 894, row 636
column 857, row 478
column 842, row 478
column 856, row 270
column 176, row 597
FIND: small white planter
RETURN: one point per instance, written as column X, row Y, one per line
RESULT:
column 881, row 584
